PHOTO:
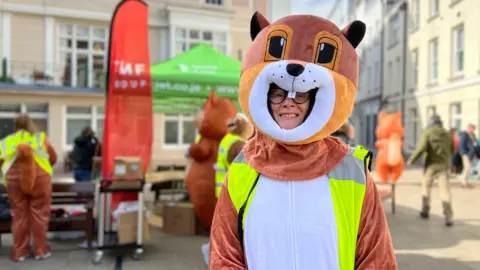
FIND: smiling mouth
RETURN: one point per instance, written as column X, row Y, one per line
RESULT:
column 288, row 115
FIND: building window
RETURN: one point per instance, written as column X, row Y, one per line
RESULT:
column 415, row 14
column 415, row 68
column 456, row 116
column 185, row 39
column 82, row 56
column 377, row 75
column 433, row 60
column 214, row 2
column 413, row 119
column 389, row 76
column 37, row 111
column 431, row 110
column 394, row 29
column 178, row 130
column 398, row 75
column 458, row 50
column 79, row 117
column 434, row 8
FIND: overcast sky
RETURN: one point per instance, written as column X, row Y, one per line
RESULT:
column 319, row 8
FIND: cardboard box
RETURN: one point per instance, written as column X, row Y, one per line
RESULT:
column 127, row 228
column 158, row 209
column 156, row 221
column 179, row 218
column 128, row 167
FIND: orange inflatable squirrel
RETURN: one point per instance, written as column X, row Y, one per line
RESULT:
column 389, row 161
column 200, row 179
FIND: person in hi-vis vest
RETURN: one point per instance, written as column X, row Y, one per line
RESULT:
column 26, row 161
column 239, row 130
column 296, row 197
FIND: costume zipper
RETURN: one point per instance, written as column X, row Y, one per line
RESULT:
column 292, row 215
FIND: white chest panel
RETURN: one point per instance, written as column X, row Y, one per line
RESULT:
column 290, row 225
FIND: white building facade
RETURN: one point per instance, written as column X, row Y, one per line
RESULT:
column 368, row 100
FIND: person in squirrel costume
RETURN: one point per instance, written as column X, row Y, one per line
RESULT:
column 295, row 197
column 27, row 160
column 239, row 130
column 200, row 178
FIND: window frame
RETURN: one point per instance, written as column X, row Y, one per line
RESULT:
column 33, row 115
column 180, row 119
column 414, row 57
column 74, row 52
column 433, row 60
column 94, row 116
column 187, row 40
column 456, row 115
column 455, row 50
column 434, row 8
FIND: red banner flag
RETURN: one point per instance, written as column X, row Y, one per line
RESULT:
column 128, row 119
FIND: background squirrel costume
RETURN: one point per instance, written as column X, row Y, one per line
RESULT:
column 389, row 163
column 298, row 198
column 200, row 179
column 27, row 175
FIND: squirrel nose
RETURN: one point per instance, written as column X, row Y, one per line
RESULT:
column 295, row 69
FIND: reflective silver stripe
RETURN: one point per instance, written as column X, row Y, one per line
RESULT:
column 6, row 166
column 218, row 169
column 41, row 153
column 39, row 147
column 240, row 158
column 351, row 168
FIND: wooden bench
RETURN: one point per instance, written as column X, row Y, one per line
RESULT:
column 66, row 194
column 386, row 194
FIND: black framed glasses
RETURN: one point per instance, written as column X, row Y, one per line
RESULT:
column 277, row 96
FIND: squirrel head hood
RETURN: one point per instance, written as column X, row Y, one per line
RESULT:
column 328, row 66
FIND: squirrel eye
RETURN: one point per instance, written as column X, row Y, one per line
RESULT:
column 326, row 53
column 276, row 46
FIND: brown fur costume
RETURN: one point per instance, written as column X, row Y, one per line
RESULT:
column 200, row 179
column 29, row 192
column 315, row 46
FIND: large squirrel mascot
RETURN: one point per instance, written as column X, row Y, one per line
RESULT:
column 296, row 197
column 200, row 179
column 389, row 162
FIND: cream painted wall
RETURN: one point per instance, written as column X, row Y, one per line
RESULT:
column 463, row 89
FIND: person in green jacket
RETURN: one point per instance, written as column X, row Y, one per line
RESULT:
column 437, row 147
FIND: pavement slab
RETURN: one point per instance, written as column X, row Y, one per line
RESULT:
column 419, row 244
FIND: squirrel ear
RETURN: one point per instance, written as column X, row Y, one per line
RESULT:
column 355, row 32
column 257, row 23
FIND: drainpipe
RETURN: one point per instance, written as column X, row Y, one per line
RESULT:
column 405, row 53
column 382, row 53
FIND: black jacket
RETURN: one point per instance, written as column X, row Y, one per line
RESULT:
column 467, row 144
column 84, row 151
column 4, row 209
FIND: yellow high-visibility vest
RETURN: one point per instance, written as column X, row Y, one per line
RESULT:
column 37, row 141
column 347, row 184
column 222, row 165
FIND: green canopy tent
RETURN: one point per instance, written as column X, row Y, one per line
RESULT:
column 181, row 84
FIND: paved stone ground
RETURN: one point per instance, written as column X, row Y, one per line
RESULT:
column 418, row 244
